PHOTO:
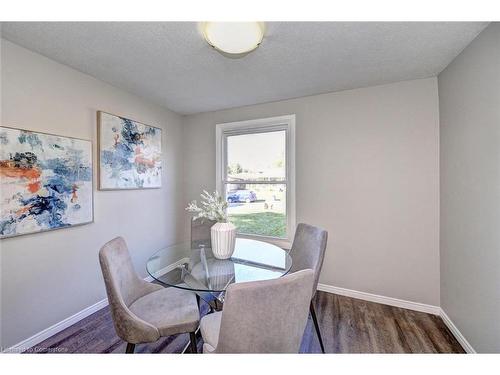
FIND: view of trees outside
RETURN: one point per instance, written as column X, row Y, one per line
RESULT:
column 257, row 208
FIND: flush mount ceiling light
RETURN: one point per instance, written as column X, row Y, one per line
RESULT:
column 233, row 39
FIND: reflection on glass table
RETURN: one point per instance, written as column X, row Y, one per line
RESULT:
column 181, row 266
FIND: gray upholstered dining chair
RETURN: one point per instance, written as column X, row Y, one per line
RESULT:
column 200, row 233
column 308, row 251
column 143, row 312
column 267, row 316
column 201, row 237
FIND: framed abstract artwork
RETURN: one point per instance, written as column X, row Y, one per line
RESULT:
column 129, row 153
column 45, row 182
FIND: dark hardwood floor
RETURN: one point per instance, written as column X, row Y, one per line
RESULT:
column 348, row 326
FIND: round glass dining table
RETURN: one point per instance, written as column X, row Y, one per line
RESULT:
column 194, row 268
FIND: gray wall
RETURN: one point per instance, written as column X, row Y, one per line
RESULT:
column 469, row 99
column 367, row 171
column 47, row 277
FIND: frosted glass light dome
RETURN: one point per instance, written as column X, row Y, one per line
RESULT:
column 235, row 39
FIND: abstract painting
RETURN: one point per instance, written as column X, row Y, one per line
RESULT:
column 45, row 182
column 129, row 153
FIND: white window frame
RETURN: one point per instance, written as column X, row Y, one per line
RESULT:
column 279, row 123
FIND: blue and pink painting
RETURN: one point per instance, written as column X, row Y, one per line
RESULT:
column 129, row 153
column 45, row 182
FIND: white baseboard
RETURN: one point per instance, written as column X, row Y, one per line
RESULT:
column 430, row 309
column 458, row 335
column 56, row 328
column 75, row 318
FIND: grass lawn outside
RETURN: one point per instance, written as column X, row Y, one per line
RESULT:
column 261, row 223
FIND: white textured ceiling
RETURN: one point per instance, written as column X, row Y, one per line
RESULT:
column 170, row 64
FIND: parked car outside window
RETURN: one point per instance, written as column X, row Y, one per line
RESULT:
column 247, row 196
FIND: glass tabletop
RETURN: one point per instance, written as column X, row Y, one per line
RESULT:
column 183, row 266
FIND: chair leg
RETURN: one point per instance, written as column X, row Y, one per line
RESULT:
column 130, row 348
column 192, row 338
column 316, row 326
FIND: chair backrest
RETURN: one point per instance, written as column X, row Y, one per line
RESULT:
column 308, row 250
column 267, row 316
column 200, row 233
column 123, row 287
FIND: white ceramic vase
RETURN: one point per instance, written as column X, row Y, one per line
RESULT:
column 223, row 240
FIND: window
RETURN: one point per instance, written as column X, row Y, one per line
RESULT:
column 255, row 173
